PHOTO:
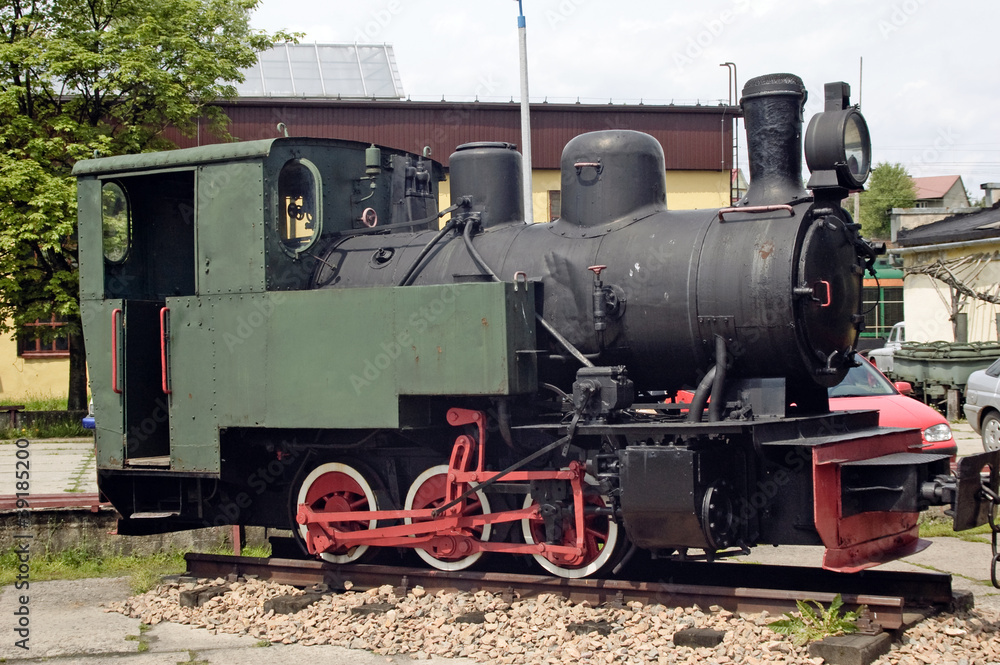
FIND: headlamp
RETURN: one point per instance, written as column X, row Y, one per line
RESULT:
column 838, row 147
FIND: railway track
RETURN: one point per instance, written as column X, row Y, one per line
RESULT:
column 736, row 587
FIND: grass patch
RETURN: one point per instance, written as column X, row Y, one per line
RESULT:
column 56, row 429
column 70, row 428
column 259, row 551
column 934, row 524
column 38, row 401
column 144, row 579
column 81, row 562
column 144, row 571
column 140, row 638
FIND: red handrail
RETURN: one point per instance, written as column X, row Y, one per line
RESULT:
column 163, row 350
column 115, row 314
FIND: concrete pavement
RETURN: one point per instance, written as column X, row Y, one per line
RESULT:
column 968, row 441
column 54, row 466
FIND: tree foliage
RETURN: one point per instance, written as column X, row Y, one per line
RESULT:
column 890, row 186
column 86, row 77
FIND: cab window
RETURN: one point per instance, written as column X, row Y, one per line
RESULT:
column 116, row 222
column 299, row 205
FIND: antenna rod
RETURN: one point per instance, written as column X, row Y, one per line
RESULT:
column 529, row 216
column 861, row 77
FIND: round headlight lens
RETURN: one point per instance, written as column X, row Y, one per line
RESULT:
column 857, row 148
column 838, row 141
column 937, row 433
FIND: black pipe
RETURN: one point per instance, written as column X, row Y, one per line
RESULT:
column 719, row 383
column 411, row 273
column 474, row 253
column 697, row 407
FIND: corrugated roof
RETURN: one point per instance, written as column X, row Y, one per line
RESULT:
column 957, row 228
column 934, row 187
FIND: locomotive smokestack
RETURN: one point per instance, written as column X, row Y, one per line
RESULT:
column 772, row 111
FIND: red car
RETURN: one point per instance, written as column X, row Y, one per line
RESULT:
column 865, row 388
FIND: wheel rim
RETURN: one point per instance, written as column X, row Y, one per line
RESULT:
column 600, row 541
column 991, row 434
column 336, row 487
column 428, row 491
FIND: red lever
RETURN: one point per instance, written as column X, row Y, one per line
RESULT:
column 597, row 269
column 458, row 417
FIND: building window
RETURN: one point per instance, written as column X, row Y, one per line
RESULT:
column 30, row 346
column 883, row 307
column 555, row 205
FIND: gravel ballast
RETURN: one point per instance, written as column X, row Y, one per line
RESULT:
column 543, row 629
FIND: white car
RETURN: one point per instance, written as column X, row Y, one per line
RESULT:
column 982, row 404
column 882, row 358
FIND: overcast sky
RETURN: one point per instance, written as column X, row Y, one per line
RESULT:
column 930, row 75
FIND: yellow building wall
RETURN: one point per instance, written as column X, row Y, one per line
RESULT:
column 30, row 377
column 686, row 190
column 543, row 182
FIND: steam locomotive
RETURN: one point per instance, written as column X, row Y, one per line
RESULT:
column 283, row 333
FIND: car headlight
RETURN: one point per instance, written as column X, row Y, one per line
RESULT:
column 937, row 433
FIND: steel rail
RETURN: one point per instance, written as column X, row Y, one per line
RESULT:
column 887, row 610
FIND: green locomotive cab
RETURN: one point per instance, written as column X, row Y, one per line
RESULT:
column 195, row 264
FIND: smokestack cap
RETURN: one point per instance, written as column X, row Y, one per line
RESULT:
column 773, row 84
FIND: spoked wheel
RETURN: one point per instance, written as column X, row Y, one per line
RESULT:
column 600, row 543
column 428, row 491
column 333, row 488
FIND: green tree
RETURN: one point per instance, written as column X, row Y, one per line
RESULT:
column 86, row 77
column 890, row 186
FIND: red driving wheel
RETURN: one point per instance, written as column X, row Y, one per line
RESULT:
column 600, row 542
column 428, row 491
column 334, row 488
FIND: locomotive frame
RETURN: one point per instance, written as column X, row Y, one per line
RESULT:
column 263, row 350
